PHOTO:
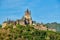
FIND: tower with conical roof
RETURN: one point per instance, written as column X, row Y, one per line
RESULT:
column 27, row 14
column 28, row 19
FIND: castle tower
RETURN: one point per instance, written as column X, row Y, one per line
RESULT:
column 27, row 14
column 28, row 19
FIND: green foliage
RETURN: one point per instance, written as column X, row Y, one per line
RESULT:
column 0, row 25
column 27, row 33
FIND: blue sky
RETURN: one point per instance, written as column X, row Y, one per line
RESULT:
column 41, row 10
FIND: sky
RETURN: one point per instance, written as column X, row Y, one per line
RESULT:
column 45, row 11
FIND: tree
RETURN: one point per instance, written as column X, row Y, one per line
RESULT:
column 0, row 26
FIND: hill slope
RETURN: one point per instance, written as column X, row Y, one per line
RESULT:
column 27, row 33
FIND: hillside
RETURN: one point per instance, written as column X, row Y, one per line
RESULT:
column 54, row 25
column 27, row 33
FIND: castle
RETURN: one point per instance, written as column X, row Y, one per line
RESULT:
column 26, row 20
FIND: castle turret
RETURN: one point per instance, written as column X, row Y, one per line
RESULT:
column 27, row 14
column 28, row 19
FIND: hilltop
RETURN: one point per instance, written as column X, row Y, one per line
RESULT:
column 27, row 20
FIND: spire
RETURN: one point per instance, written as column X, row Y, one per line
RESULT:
column 27, row 12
